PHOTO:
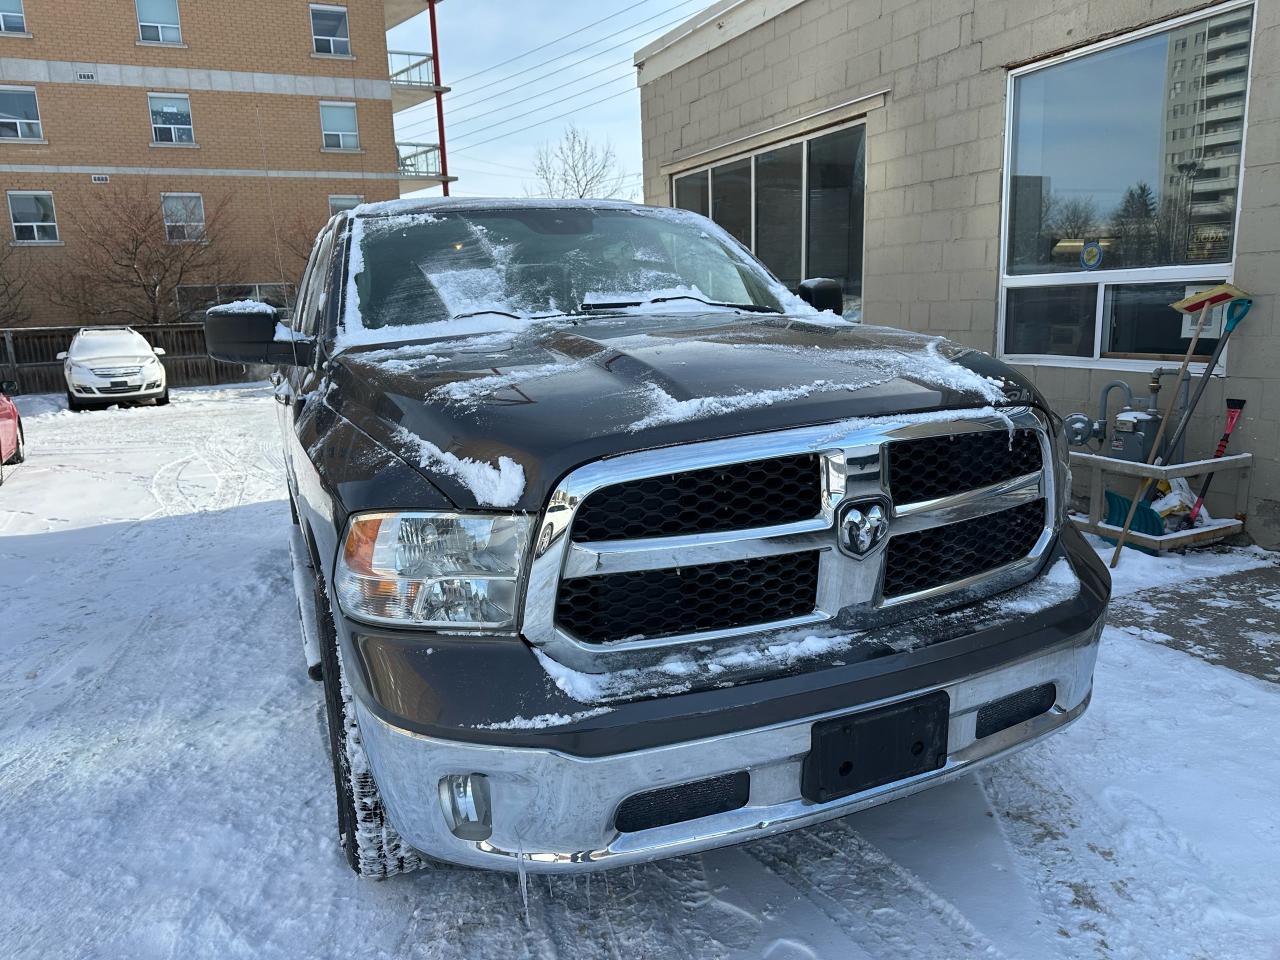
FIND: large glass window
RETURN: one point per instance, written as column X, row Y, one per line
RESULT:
column 13, row 18
column 1129, row 194
column 339, row 127
column 171, row 118
column 806, row 199
column 19, row 114
column 32, row 215
column 329, row 33
column 158, row 21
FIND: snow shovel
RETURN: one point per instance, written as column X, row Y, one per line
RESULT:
column 1233, row 414
column 1240, row 302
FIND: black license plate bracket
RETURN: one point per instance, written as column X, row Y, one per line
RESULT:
column 860, row 751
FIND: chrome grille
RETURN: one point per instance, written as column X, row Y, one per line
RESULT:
column 110, row 372
column 595, row 600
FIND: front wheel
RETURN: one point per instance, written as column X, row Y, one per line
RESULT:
column 72, row 403
column 372, row 846
column 163, row 399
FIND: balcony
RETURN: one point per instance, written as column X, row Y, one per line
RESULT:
column 397, row 12
column 413, row 78
column 1227, row 63
column 419, row 166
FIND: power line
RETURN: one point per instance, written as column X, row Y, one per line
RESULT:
column 512, row 133
column 550, row 43
column 548, row 106
column 568, row 53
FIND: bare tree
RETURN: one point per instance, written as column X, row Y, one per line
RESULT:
column 13, row 284
column 125, row 263
column 577, row 167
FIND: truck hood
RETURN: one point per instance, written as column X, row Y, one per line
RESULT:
column 496, row 419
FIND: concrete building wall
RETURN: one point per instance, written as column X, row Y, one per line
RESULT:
column 255, row 89
column 935, row 168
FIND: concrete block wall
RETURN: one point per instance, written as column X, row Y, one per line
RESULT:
column 934, row 170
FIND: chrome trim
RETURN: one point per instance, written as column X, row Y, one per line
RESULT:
column 852, row 467
column 555, row 811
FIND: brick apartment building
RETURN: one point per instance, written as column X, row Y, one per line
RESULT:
column 1034, row 178
column 275, row 114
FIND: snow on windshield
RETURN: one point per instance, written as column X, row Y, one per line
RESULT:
column 477, row 269
column 108, row 343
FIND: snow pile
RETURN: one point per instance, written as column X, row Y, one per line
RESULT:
column 544, row 720
column 499, row 486
column 1056, row 585
column 286, row 334
column 665, row 408
column 1140, row 571
column 399, row 360
column 244, row 306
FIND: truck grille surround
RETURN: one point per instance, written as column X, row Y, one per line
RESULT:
column 637, row 553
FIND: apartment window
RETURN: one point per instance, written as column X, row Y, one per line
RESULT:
column 171, row 118
column 338, row 124
column 340, row 202
column 1103, row 229
column 797, row 207
column 158, row 21
column 12, row 17
column 19, row 114
column 329, row 33
column 32, row 215
column 183, row 217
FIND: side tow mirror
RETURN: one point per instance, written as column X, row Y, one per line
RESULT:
column 250, row 332
column 822, row 294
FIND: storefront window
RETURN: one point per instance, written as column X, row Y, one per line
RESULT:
column 807, row 199
column 1131, row 187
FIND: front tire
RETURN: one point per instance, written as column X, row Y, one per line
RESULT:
column 20, row 454
column 163, row 399
column 371, row 844
column 72, row 403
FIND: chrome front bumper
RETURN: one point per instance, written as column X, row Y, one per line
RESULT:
column 556, row 811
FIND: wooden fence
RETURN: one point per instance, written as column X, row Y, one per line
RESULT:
column 29, row 355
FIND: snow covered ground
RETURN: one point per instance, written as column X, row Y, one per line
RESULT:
column 164, row 790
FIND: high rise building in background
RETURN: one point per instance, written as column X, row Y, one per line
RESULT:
column 256, row 121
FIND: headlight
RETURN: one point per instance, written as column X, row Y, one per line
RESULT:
column 80, row 369
column 432, row 569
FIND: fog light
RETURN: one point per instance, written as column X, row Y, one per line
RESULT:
column 465, row 800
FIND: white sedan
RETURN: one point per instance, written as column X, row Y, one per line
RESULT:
column 106, row 365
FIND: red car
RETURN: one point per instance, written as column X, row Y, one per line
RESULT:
column 12, row 448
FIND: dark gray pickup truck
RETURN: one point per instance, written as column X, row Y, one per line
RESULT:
column 622, row 550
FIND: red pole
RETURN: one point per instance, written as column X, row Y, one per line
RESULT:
column 435, row 54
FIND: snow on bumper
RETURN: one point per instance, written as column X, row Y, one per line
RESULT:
column 556, row 811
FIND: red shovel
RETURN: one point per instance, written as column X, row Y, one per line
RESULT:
column 1233, row 414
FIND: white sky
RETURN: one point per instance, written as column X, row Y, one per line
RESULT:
column 491, row 101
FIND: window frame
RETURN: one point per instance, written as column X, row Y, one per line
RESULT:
column 325, row 133
column 160, row 27
column 173, row 127
column 25, row 31
column 38, row 121
column 316, row 38
column 357, row 197
column 13, row 224
column 168, row 235
column 1190, row 274
column 803, row 139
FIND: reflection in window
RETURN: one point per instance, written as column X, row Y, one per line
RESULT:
column 19, row 114
column 1140, row 323
column 1058, row 321
column 12, row 17
column 171, row 118
column 691, row 193
column 329, row 33
column 32, row 215
column 339, row 127
column 183, row 217
column 731, row 198
column 837, row 185
column 158, row 21
column 1093, row 169
column 779, row 182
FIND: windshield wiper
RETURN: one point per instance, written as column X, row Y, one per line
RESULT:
column 747, row 307
column 505, row 313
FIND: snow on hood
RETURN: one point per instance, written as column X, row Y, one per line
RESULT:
column 492, row 486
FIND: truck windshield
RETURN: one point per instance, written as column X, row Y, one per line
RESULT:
column 541, row 261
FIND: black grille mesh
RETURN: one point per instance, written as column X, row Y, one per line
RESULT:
column 686, row 801
column 659, row 603
column 930, row 558
column 934, row 467
column 733, row 497
column 1004, row 713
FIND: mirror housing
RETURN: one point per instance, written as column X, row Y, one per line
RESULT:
column 247, row 334
column 822, row 294
column 158, row 351
column 62, row 355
